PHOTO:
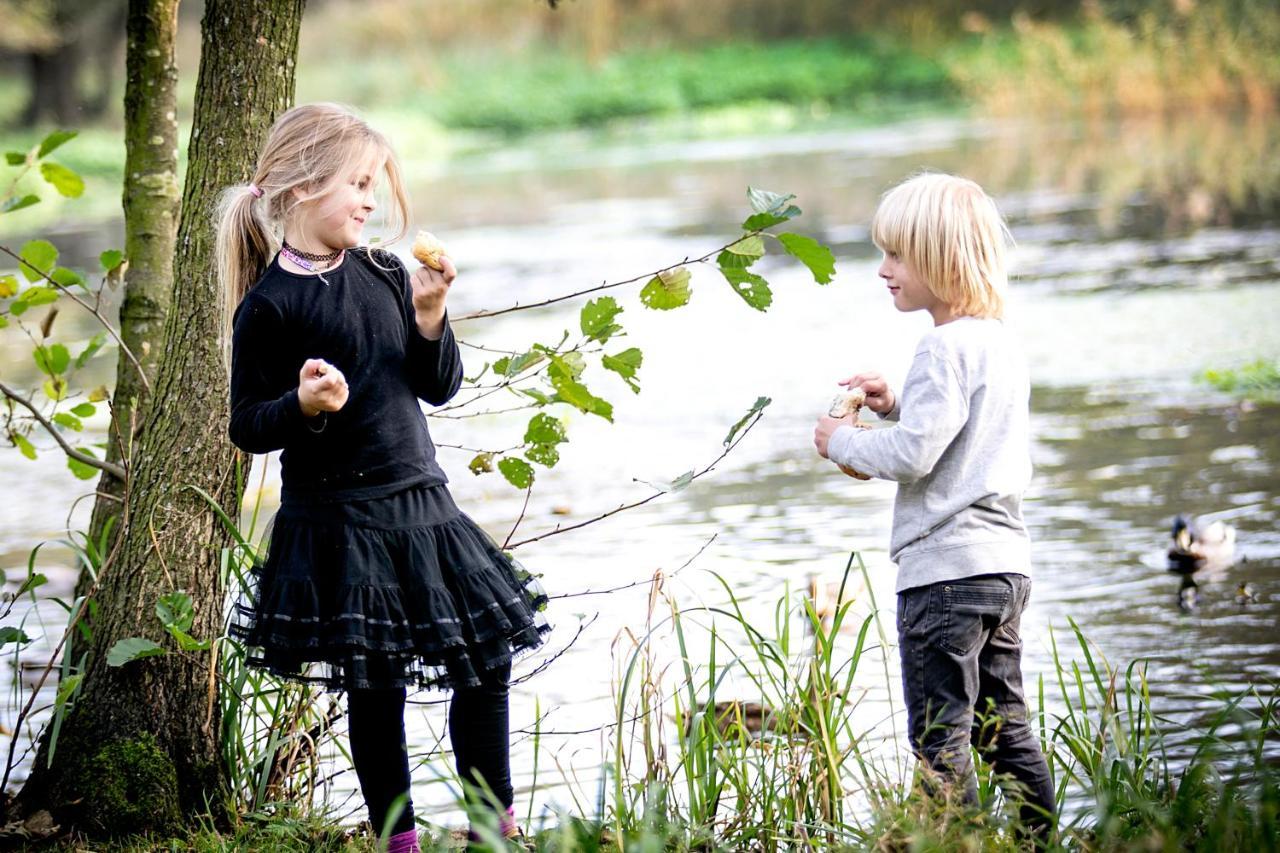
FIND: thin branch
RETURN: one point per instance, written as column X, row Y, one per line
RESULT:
column 523, row 509
column 645, row 582
column 91, row 309
column 602, row 516
column 482, row 414
column 84, row 458
column 478, row 449
column 475, row 315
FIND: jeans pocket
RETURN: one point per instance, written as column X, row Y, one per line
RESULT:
column 967, row 611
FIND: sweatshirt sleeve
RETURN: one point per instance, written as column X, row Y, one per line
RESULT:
column 262, row 419
column 435, row 367
column 934, row 407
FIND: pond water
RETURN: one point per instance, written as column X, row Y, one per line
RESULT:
column 1146, row 252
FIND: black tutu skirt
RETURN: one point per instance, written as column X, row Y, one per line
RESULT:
column 397, row 591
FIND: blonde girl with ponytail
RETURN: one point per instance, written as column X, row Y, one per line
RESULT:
column 374, row 582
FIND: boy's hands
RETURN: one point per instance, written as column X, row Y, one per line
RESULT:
column 822, row 437
column 880, row 397
column 321, row 387
column 430, row 289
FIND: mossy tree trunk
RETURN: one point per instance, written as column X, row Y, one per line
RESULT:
column 141, row 746
column 151, row 197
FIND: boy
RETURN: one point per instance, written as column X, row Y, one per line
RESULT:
column 959, row 451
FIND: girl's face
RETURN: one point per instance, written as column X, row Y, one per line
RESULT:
column 336, row 220
column 909, row 291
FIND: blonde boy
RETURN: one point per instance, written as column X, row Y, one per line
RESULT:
column 958, row 449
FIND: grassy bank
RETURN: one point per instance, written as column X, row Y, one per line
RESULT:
column 736, row 732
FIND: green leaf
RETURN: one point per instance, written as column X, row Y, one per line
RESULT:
column 40, row 257
column 66, row 277
column 752, row 288
column 597, row 318
column 24, row 446
column 763, row 201
column 174, row 610
column 817, row 257
column 131, row 649
column 84, row 410
column 33, row 581
column 19, row 202
column 759, row 406
column 82, row 470
column 188, row 643
column 518, row 472
column 65, row 181
column 751, row 247
column 569, row 390
column 95, row 344
column 18, row 307
column 51, row 360
column 508, row 366
column 9, row 634
column 481, row 464
column 53, row 140
column 680, row 482
column 667, row 290
column 545, row 429
column 38, row 294
column 68, row 420
column 537, row 396
column 625, row 364
column 110, row 259
column 97, row 395
column 761, row 221
column 742, row 254
column 15, row 158
column 67, row 688
column 543, row 454
column 8, row 286
column 4, row 321
column 56, row 388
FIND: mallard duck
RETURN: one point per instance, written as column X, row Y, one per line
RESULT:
column 1197, row 544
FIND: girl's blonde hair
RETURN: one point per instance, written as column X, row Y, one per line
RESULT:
column 313, row 148
column 952, row 236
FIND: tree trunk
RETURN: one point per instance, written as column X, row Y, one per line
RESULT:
column 141, row 746
column 151, row 197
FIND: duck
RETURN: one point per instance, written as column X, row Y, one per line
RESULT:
column 1197, row 543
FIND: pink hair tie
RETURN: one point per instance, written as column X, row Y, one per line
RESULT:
column 255, row 190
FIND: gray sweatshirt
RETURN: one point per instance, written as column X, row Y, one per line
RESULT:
column 960, row 453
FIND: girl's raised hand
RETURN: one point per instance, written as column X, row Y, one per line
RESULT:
column 880, row 397
column 321, row 387
column 430, row 289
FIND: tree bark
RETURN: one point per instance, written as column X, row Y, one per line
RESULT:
column 150, row 721
column 151, row 197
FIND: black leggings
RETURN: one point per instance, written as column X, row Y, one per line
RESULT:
column 478, row 730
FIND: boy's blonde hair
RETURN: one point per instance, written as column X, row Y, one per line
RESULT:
column 952, row 236
column 311, row 147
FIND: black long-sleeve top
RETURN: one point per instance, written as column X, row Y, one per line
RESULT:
column 362, row 322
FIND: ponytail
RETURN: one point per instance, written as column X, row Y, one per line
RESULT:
column 244, row 246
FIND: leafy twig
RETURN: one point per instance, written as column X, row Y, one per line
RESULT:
column 657, row 494
column 83, row 458
column 91, row 309
column 475, row 315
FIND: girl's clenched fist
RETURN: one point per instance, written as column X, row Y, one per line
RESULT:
column 321, row 387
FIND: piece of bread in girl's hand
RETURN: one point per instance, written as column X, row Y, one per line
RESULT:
column 428, row 250
column 842, row 406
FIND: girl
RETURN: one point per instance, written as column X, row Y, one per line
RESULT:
column 959, row 451
column 374, row 581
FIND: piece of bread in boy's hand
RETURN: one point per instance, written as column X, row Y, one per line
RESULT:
column 428, row 250
column 847, row 403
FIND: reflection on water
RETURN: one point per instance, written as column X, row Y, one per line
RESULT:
column 1146, row 252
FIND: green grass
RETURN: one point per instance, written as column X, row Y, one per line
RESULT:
column 1257, row 380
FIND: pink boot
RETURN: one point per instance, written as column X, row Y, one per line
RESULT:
column 404, row 842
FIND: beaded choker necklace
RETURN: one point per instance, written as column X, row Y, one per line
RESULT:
column 310, row 261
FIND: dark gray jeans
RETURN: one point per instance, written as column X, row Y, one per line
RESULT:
column 962, row 677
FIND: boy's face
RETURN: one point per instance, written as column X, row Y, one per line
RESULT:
column 909, row 292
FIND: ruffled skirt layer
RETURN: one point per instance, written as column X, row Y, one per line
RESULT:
column 398, row 591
